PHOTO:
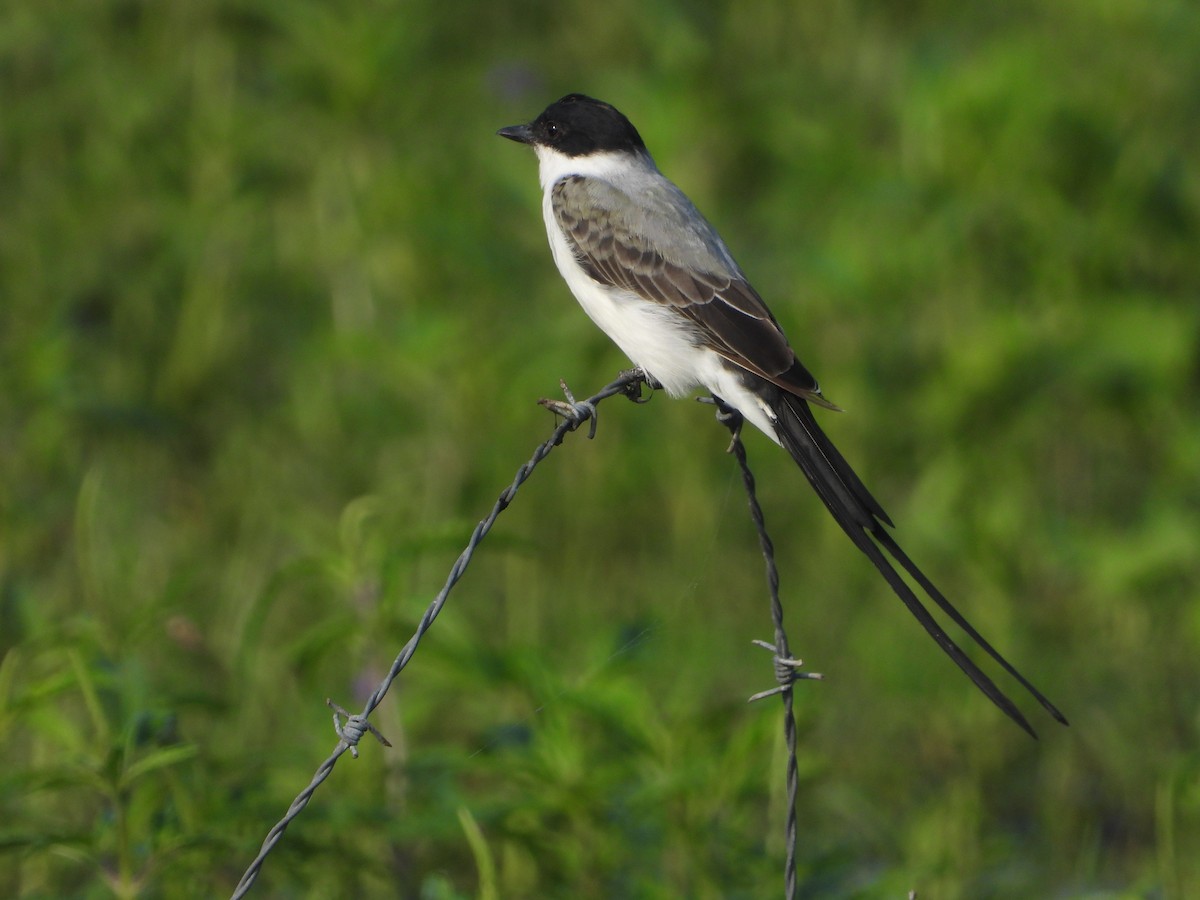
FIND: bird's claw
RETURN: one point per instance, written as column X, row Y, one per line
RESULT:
column 727, row 416
column 639, row 377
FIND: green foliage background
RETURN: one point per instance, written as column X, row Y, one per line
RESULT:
column 275, row 307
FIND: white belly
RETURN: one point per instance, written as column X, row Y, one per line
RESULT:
column 655, row 337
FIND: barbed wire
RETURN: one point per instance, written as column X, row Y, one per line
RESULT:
column 351, row 727
column 786, row 667
column 573, row 415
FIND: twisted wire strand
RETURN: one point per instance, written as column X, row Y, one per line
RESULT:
column 574, row 414
column 785, row 665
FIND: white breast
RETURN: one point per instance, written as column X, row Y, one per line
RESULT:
column 656, row 337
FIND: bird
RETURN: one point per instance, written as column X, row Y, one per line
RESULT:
column 657, row 278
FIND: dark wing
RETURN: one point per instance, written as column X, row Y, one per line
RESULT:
column 685, row 266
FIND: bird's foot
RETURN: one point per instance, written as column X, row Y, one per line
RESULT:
column 639, row 377
column 727, row 416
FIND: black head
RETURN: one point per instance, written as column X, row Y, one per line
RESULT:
column 577, row 126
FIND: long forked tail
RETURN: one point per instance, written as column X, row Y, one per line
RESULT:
column 863, row 520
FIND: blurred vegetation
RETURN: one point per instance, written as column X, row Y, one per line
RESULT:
column 275, row 307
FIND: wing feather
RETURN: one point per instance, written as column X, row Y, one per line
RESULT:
column 685, row 265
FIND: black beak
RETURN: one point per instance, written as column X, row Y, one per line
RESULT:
column 522, row 134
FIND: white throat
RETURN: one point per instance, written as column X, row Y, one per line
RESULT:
column 608, row 165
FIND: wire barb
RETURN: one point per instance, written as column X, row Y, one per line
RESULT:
column 785, row 673
column 576, row 412
column 356, row 726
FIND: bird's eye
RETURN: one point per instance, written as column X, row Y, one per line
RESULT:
column 552, row 130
